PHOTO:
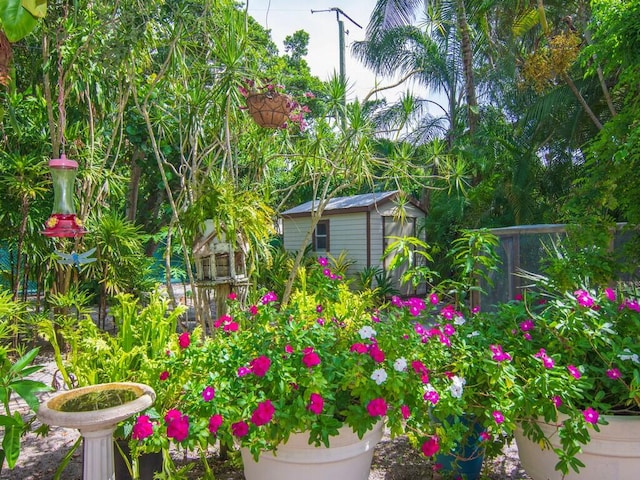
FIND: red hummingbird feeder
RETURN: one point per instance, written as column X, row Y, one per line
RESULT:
column 63, row 221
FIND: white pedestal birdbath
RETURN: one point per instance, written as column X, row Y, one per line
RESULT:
column 95, row 411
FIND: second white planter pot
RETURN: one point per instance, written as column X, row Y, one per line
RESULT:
column 612, row 454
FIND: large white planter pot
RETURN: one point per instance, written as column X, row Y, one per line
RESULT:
column 347, row 458
column 612, row 454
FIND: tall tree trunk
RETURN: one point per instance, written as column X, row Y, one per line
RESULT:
column 467, row 66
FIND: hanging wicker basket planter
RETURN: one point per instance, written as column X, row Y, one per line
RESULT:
column 269, row 109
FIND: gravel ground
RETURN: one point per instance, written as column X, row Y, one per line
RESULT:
column 393, row 459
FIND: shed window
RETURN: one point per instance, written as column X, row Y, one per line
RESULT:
column 321, row 236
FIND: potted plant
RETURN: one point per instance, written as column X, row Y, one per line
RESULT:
column 270, row 107
column 574, row 393
column 330, row 362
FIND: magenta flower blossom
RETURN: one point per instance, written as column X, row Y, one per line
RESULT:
column 184, row 340
column 526, row 325
column 614, row 373
column 448, row 312
column 498, row 416
column 359, row 348
column 448, row 330
column 316, row 403
column 557, row 401
column 610, row 294
column 288, row 349
column 406, row 411
column 431, row 446
column 310, row 358
column 260, row 365
column 583, row 298
column 263, row 413
column 142, row 429
column 239, row 429
column 546, row 360
column 242, row 371
column 177, row 425
column 431, row 396
column 518, row 297
column 376, row 354
column 575, row 373
column 214, row 423
column 434, row 299
column 498, row 354
column 590, row 415
column 232, row 296
column 208, row 393
column 253, row 310
column 268, row 298
column 377, row 407
column 484, row 436
column 323, row 261
column 164, row 375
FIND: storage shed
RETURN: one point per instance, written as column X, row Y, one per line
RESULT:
column 360, row 225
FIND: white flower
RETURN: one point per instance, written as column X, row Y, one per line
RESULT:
column 379, row 376
column 457, row 386
column 629, row 355
column 366, row 332
column 473, row 334
column 400, row 365
column 459, row 320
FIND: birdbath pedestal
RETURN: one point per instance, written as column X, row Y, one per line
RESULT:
column 95, row 411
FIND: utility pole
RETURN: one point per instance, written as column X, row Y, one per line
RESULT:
column 343, row 74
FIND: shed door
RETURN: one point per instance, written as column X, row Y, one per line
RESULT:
column 394, row 228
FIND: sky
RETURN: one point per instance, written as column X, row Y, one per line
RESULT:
column 284, row 17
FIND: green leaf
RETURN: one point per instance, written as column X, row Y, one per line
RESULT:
column 37, row 8
column 16, row 20
column 27, row 389
column 23, row 361
column 11, row 444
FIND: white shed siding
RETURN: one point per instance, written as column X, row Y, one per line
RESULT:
column 295, row 231
column 348, row 233
column 377, row 241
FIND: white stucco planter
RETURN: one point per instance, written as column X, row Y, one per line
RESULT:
column 96, row 425
column 347, row 458
column 612, row 454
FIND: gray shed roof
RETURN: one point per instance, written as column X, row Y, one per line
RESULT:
column 363, row 202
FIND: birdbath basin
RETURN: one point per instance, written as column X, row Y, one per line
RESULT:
column 95, row 411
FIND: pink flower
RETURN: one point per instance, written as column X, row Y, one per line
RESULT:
column 518, row 297
column 434, row 299
column 575, row 373
column 610, row 294
column 253, row 310
column 310, row 358
column 316, row 403
column 268, row 298
column 377, row 407
column 260, row 365
column 557, row 401
column 448, row 311
column 288, row 349
column 431, row 446
column 448, row 330
column 263, row 413
column 232, row 296
column 484, row 436
column 498, row 354
column 318, row 308
column 323, row 261
column 406, row 412
column 613, row 373
column 526, row 336
column 526, row 325
column 177, row 427
column 431, row 396
column 548, row 362
column 590, row 415
column 419, row 367
column 208, row 394
column 239, row 429
column 376, row 354
column 142, row 429
column 359, row 348
column 498, row 416
column 172, row 415
column 583, row 298
column 183, row 340
column 164, row 375
column 214, row 423
column 242, row 371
